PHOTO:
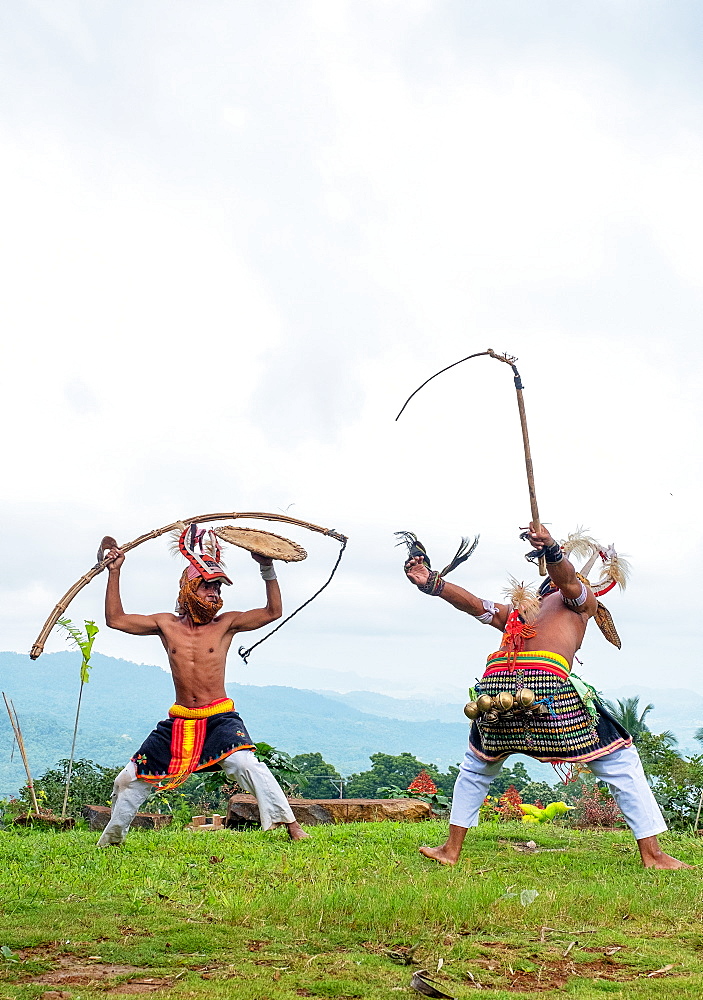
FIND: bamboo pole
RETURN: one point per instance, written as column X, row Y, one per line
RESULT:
column 698, row 814
column 15, row 723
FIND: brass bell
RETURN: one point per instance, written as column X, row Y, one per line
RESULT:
column 504, row 701
column 471, row 710
column 491, row 716
column 526, row 698
column 484, row 703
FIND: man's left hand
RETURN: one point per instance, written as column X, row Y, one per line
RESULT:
column 262, row 560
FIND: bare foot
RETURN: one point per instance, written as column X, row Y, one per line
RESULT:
column 296, row 832
column 664, row 861
column 439, row 854
column 653, row 856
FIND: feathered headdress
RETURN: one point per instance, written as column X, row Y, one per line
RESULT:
column 614, row 571
column 523, row 598
column 202, row 550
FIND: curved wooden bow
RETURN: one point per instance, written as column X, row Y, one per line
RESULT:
column 38, row 647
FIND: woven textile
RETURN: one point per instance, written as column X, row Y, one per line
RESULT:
column 567, row 733
column 191, row 739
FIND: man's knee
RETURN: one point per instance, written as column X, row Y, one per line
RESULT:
column 124, row 779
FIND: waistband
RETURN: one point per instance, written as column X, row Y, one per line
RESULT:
column 203, row 712
column 535, row 659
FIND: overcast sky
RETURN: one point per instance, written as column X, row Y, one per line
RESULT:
column 236, row 235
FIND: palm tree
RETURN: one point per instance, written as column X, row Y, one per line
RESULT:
column 627, row 713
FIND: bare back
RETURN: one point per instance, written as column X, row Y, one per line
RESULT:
column 558, row 628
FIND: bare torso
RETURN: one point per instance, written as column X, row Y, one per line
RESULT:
column 197, row 655
column 558, row 628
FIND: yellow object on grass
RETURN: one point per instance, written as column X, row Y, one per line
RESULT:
column 534, row 814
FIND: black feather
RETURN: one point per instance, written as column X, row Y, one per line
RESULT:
column 466, row 549
column 415, row 547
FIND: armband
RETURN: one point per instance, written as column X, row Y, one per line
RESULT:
column 434, row 585
column 490, row 610
column 576, row 602
column 268, row 573
column 552, row 553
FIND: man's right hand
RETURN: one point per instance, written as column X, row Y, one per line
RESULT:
column 114, row 559
column 416, row 571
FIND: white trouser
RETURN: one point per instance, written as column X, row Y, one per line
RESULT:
column 129, row 792
column 621, row 770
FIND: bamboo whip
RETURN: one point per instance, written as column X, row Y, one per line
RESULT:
column 15, row 723
column 526, row 447
column 523, row 426
column 60, row 608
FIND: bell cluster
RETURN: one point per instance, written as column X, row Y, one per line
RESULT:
column 503, row 703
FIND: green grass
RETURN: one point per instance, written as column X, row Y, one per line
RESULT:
column 273, row 920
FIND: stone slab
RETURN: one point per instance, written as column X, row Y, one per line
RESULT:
column 99, row 816
column 244, row 811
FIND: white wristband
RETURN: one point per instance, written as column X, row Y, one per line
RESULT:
column 268, row 573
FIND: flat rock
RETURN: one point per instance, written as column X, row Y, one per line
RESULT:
column 244, row 811
column 99, row 816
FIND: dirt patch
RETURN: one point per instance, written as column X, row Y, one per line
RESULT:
column 142, row 986
column 73, row 971
column 549, row 975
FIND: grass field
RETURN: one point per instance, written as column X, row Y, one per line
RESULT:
column 252, row 916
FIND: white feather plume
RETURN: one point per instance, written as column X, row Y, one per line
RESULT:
column 523, row 597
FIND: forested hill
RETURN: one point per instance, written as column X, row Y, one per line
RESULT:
column 124, row 700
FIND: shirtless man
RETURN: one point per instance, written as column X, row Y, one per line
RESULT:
column 538, row 655
column 203, row 732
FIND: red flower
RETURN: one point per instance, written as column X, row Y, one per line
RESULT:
column 423, row 785
column 509, row 804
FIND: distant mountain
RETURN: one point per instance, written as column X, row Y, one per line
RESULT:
column 408, row 709
column 123, row 701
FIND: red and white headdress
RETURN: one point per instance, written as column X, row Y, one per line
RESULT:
column 203, row 552
column 614, row 570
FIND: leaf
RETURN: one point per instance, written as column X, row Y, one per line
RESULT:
column 7, row 953
column 659, row 972
column 426, row 987
column 528, row 896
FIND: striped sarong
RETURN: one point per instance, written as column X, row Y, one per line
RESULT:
column 191, row 739
column 568, row 733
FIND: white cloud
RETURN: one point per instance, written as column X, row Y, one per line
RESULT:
column 233, row 249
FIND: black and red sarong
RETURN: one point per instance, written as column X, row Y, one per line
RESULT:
column 191, row 739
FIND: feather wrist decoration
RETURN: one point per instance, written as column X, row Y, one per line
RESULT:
column 465, row 550
column 416, row 548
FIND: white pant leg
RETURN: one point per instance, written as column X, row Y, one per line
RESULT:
column 471, row 787
column 128, row 793
column 623, row 773
column 253, row 776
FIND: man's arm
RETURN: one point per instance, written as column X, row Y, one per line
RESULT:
column 463, row 600
column 563, row 574
column 248, row 621
column 114, row 612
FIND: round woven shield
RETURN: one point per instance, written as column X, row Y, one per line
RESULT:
column 264, row 543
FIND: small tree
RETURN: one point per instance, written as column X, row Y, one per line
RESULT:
column 85, row 644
